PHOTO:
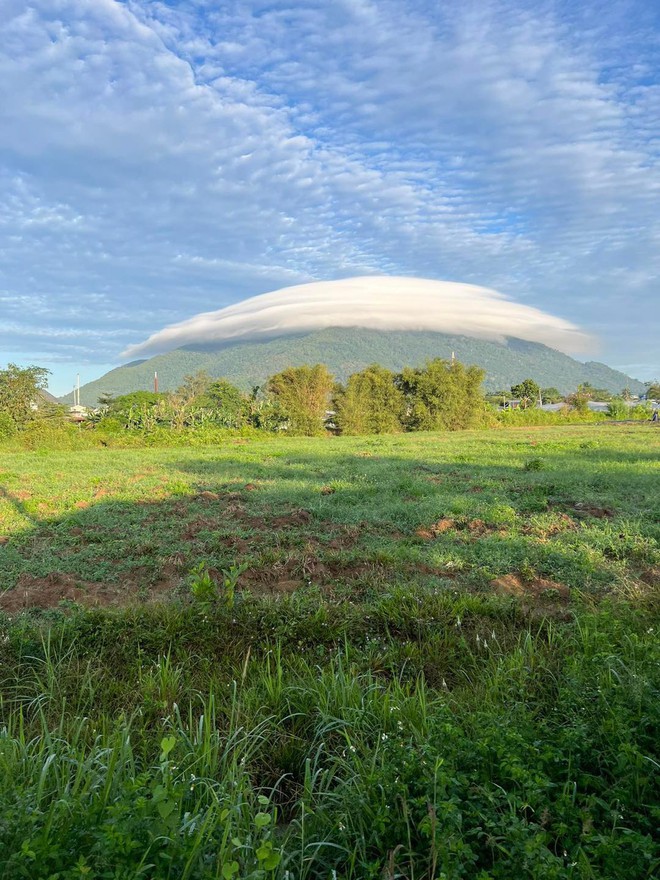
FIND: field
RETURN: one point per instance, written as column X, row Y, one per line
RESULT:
column 417, row 656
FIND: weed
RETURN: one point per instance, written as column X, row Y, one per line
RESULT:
column 202, row 585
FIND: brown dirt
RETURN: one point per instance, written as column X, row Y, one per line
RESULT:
column 328, row 490
column 476, row 527
column 651, row 576
column 4, row 539
column 537, row 588
column 295, row 518
column 432, row 531
column 49, row 591
column 565, row 523
column 293, row 574
column 585, row 508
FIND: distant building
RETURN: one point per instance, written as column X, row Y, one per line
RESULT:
column 78, row 413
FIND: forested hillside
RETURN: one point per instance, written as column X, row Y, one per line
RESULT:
column 345, row 351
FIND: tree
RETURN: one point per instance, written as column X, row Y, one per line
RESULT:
column 20, row 391
column 551, row 395
column 579, row 401
column 123, row 404
column 184, row 403
column 227, row 403
column 594, row 393
column 371, row 403
column 192, row 388
column 442, row 395
column 137, row 410
column 653, row 390
column 527, row 392
column 106, row 399
column 302, row 394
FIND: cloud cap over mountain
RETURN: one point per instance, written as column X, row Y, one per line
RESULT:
column 376, row 302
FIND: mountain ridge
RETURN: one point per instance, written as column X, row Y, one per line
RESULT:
column 345, row 350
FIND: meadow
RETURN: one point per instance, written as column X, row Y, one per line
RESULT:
column 411, row 656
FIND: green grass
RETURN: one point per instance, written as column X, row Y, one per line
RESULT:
column 418, row 656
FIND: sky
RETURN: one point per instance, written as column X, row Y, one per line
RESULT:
column 162, row 159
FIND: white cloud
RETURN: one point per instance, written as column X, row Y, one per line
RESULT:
column 380, row 303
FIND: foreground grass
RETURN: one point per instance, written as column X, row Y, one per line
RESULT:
column 440, row 661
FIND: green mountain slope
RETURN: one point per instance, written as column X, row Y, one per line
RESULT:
column 346, row 350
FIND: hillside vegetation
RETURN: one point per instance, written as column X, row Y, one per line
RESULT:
column 424, row 655
column 345, row 351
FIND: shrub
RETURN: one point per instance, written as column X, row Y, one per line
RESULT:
column 7, row 426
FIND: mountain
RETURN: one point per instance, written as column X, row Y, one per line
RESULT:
column 346, row 350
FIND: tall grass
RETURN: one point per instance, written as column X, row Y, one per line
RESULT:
column 533, row 756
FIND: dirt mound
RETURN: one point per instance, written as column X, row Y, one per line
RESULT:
column 536, row 588
column 49, row 591
column 476, row 527
column 56, row 587
column 432, row 531
column 586, row 508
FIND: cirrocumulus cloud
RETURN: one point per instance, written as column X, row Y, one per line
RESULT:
column 376, row 302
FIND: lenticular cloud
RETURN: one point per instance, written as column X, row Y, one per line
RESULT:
column 379, row 303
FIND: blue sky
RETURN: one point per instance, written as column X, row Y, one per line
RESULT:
column 162, row 159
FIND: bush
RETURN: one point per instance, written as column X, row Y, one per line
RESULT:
column 618, row 409
column 7, row 426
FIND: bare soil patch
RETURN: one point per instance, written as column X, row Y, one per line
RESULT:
column 48, row 592
column 476, row 527
column 586, row 508
column 538, row 589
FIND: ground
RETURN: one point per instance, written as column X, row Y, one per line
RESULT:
column 539, row 513
column 411, row 657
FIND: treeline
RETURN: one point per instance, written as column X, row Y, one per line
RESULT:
column 307, row 400
column 528, row 395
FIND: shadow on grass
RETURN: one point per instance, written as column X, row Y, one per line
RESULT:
column 349, row 525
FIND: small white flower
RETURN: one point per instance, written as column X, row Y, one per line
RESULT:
column 384, row 737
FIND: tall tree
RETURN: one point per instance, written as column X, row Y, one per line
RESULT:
column 371, row 403
column 551, row 395
column 303, row 394
column 442, row 395
column 527, row 393
column 228, row 404
column 653, row 390
column 20, row 391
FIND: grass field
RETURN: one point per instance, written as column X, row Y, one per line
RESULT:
column 415, row 656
